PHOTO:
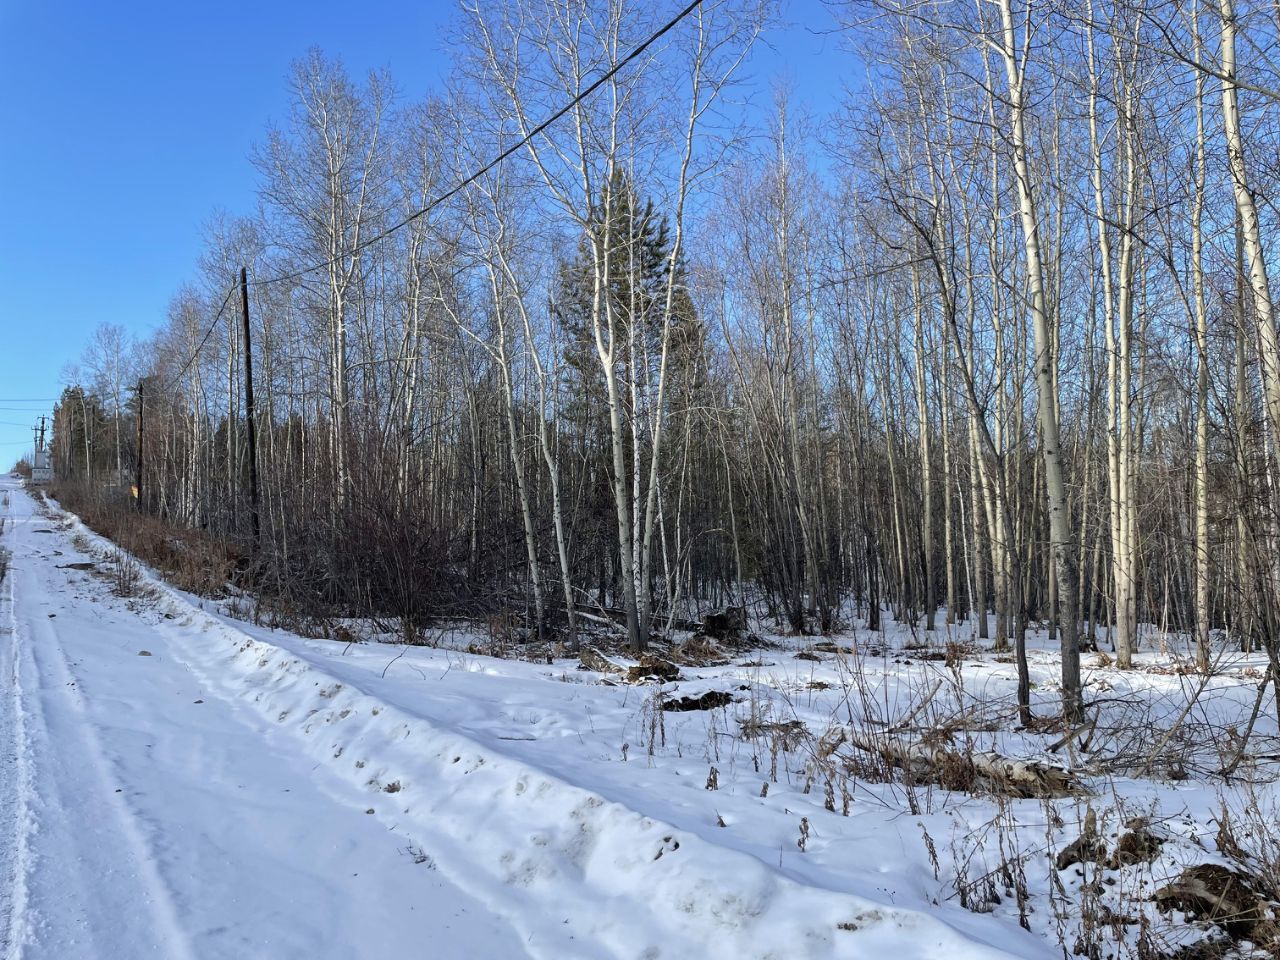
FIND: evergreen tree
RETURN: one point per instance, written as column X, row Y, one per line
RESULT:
column 639, row 274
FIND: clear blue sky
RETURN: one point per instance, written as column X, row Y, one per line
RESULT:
column 123, row 126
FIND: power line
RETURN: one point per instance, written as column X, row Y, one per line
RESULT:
column 377, row 238
column 203, row 340
column 599, row 82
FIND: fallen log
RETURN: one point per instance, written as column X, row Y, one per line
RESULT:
column 956, row 770
column 649, row 668
column 593, row 659
column 711, row 700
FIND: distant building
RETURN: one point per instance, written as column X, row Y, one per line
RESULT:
column 41, row 471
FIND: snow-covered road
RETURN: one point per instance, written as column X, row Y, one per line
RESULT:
column 141, row 815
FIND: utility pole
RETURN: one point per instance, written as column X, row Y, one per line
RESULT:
column 138, row 484
column 248, row 406
column 41, row 466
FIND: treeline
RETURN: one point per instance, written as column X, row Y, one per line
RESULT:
column 997, row 338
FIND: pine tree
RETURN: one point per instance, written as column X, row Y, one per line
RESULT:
column 640, row 271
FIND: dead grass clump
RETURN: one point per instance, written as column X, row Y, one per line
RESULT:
column 826, row 646
column 1087, row 848
column 652, row 667
column 1136, row 845
column 503, row 628
column 699, row 650
column 791, row 732
column 990, row 866
column 1222, row 896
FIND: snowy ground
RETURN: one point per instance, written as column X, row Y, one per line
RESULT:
column 180, row 783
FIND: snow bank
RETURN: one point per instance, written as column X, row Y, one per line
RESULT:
column 559, row 854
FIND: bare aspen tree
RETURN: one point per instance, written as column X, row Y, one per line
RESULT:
column 1201, row 316
column 1117, row 273
column 326, row 181
column 111, row 369
column 1055, row 484
column 489, row 223
column 926, row 466
column 1268, row 344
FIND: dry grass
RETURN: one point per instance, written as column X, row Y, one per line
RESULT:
column 189, row 559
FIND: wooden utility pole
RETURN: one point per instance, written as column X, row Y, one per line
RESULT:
column 138, row 483
column 248, row 407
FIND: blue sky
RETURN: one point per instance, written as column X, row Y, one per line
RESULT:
column 125, row 125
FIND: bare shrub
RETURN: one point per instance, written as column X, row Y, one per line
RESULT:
column 125, row 574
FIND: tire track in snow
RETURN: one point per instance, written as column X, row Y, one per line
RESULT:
column 114, row 858
column 15, row 796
